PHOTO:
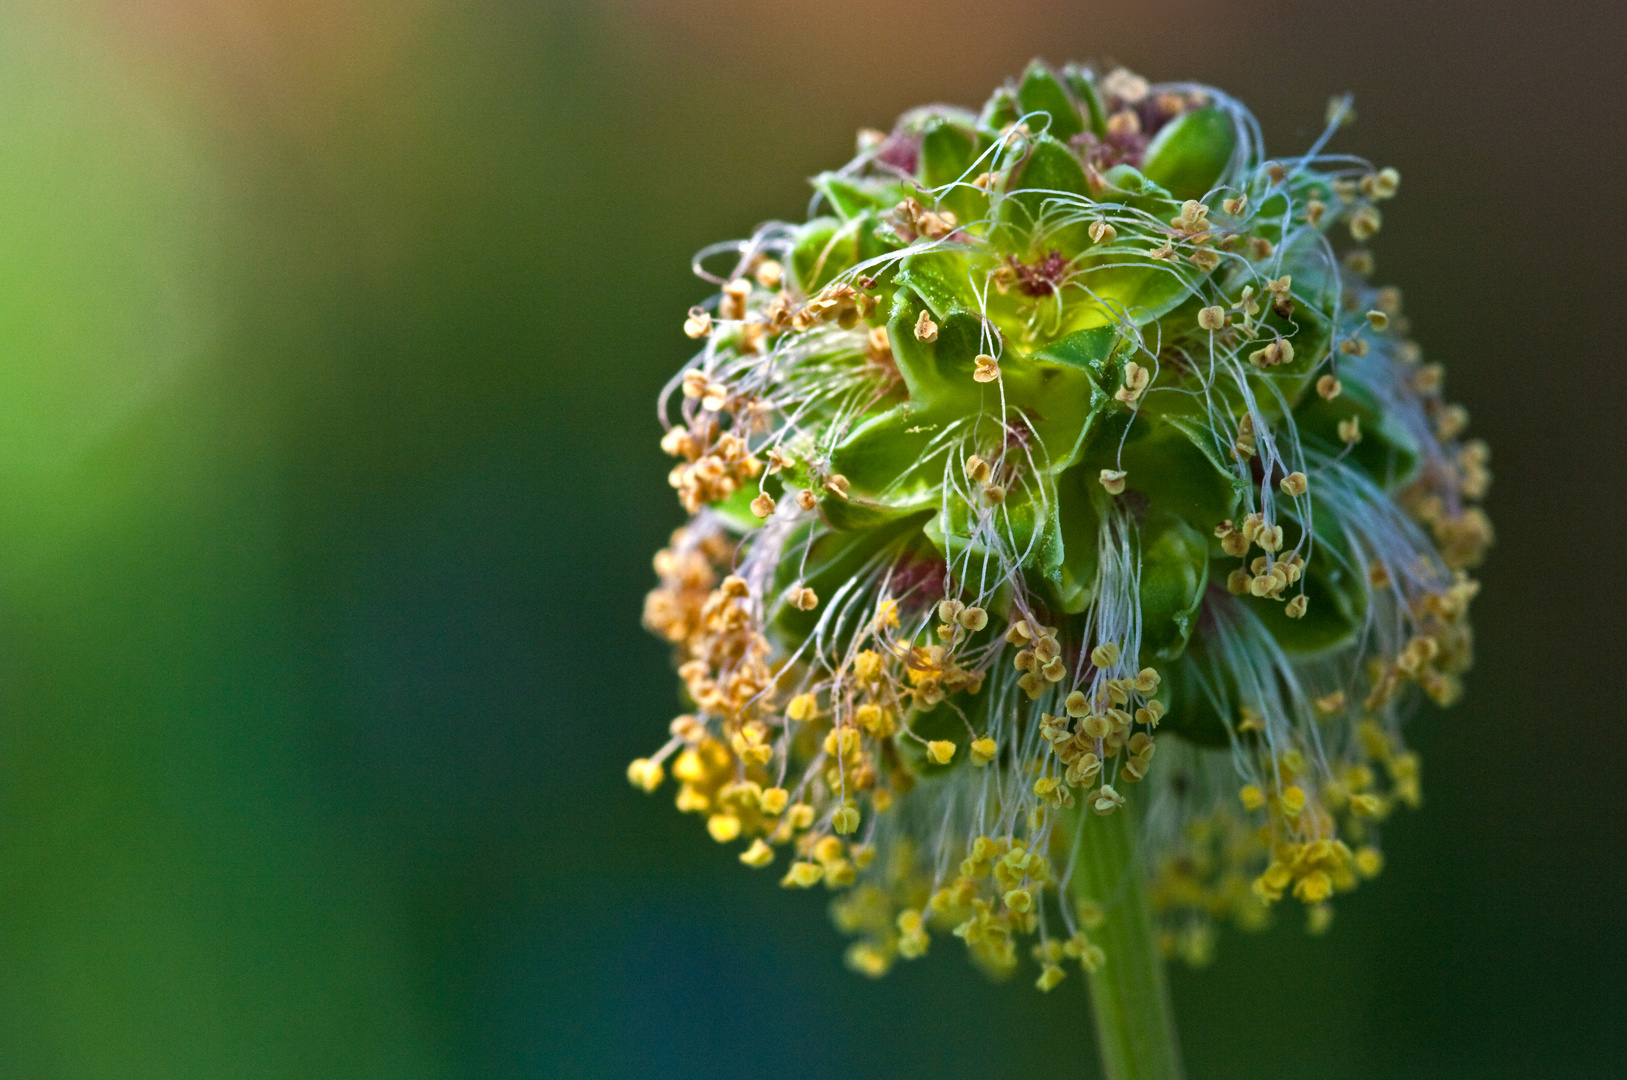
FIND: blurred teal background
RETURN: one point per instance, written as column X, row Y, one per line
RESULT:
column 329, row 341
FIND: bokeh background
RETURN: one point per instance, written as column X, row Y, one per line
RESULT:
column 329, row 338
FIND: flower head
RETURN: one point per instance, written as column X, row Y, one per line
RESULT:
column 1065, row 463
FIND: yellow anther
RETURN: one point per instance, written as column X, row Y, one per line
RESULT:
column 800, row 816
column 802, row 707
column 1235, row 206
column 973, row 619
column 1365, row 805
column 1102, row 233
column 698, row 324
column 1049, row 976
column 977, row 470
column 1314, row 887
column 1295, row 608
column 1251, row 796
column 735, row 295
column 1365, row 222
column 1293, row 800
column 1369, row 861
column 1106, row 800
column 1350, row 430
column 842, row 742
column 1212, row 318
column 1279, row 352
column 645, row 774
column 803, row 875
column 881, row 800
column 1147, row 681
column 828, row 849
column 758, row 855
column 925, row 329
column 1238, row 582
column 769, row 274
column 1136, row 379
column 807, row 500
column 845, row 820
column 762, row 505
column 983, row 751
column 839, row 873
column 1294, row 484
column 886, row 616
column 1112, row 480
column 837, row 485
column 1019, row 900
column 875, row 719
column 867, row 666
column 1382, row 184
column 774, row 799
column 940, row 751
column 778, row 459
column 1105, row 655
column 868, row 959
column 802, row 597
column 985, row 368
column 723, row 827
column 1328, row 387
column 1317, row 919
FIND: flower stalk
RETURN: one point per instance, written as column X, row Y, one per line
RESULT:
column 1135, row 1026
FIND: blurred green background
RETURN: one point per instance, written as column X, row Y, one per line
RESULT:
column 329, row 340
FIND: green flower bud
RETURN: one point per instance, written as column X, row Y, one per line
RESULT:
column 1060, row 434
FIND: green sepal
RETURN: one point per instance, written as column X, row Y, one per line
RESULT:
column 1060, row 401
column 1026, row 528
column 1032, row 196
column 938, row 374
column 1128, row 185
column 1169, row 457
column 1088, row 350
column 1190, row 153
column 826, row 247
column 998, row 111
column 948, row 152
column 1041, row 91
column 1083, row 86
column 1174, row 574
column 1070, row 572
column 1388, row 452
column 885, row 460
column 735, row 508
column 833, row 558
column 850, row 198
column 1192, row 714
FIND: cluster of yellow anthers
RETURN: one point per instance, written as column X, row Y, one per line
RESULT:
column 843, row 729
column 713, row 468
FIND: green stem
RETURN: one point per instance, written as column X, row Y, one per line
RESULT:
column 1135, row 1027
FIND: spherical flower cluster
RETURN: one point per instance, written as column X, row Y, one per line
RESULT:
column 1065, row 463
